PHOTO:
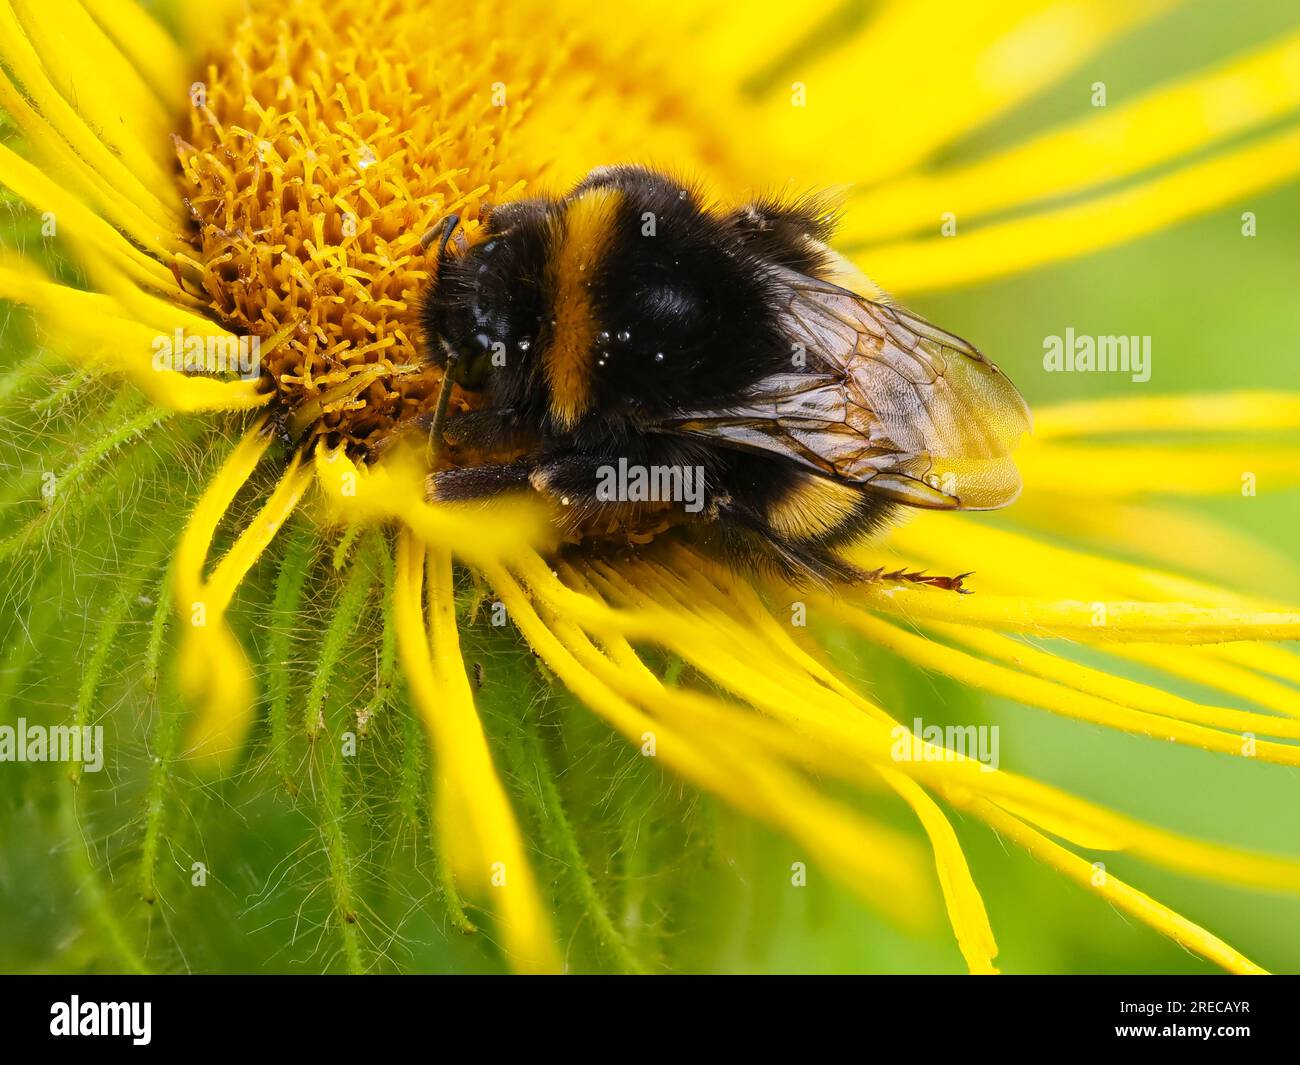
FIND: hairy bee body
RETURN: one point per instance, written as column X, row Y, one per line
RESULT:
column 626, row 327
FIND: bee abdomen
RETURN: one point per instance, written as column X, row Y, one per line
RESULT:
column 814, row 509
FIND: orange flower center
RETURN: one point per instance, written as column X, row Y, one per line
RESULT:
column 330, row 137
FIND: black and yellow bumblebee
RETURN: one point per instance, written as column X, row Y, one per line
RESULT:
column 629, row 322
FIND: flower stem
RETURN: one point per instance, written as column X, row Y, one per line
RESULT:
column 562, row 841
column 338, row 853
column 299, row 553
column 356, row 589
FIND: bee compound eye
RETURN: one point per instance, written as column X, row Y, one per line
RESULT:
column 472, row 372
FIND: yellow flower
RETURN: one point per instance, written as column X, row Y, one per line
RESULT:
column 269, row 171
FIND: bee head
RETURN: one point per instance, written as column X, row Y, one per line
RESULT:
column 481, row 315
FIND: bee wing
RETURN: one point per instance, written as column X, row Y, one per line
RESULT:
column 885, row 400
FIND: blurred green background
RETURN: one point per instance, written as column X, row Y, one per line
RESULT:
column 690, row 885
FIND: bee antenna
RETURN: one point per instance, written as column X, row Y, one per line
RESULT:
column 444, row 396
column 449, row 225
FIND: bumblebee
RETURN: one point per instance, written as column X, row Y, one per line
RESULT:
column 628, row 326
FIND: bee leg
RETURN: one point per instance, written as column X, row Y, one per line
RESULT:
column 490, row 429
column 487, row 429
column 477, row 482
column 587, row 498
column 949, row 584
column 570, row 482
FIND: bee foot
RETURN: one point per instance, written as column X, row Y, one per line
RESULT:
column 948, row 584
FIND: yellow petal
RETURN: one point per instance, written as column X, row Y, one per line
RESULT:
column 1014, row 683
column 75, row 218
column 1143, row 907
column 1118, row 691
column 1011, row 247
column 1130, row 470
column 214, row 672
column 480, row 835
column 1211, row 667
column 875, row 861
column 1171, row 536
column 1219, row 412
column 153, row 53
column 91, row 329
column 922, row 72
column 95, row 78
column 395, row 489
column 1102, row 621
column 970, row 921
column 150, row 229
column 1165, row 124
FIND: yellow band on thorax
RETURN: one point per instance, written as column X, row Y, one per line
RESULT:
column 587, row 228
